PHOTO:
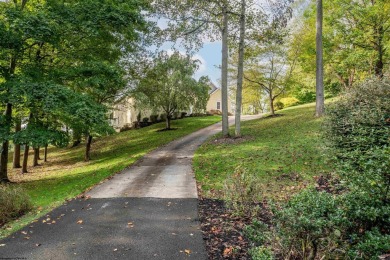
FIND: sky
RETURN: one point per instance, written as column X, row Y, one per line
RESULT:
column 209, row 57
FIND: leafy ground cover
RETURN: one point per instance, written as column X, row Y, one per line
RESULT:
column 66, row 175
column 283, row 152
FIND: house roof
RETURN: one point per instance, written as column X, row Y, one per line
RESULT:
column 213, row 88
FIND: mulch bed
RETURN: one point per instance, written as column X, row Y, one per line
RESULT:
column 222, row 232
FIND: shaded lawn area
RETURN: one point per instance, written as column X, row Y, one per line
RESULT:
column 66, row 175
column 284, row 153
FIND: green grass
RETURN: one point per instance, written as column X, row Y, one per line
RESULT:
column 66, row 175
column 284, row 153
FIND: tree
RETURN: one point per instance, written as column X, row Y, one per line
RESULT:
column 269, row 69
column 240, row 70
column 169, row 86
column 193, row 20
column 320, row 106
column 45, row 41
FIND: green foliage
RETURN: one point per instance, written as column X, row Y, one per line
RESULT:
column 261, row 253
column 14, row 202
column 289, row 101
column 369, row 246
column 153, row 118
column 169, row 86
column 307, row 225
column 241, row 193
column 358, row 131
column 257, row 232
column 279, row 105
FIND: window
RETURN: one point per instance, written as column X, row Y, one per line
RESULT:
column 218, row 105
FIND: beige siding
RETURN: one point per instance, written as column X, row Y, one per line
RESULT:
column 216, row 97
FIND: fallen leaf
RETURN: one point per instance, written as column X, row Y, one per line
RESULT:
column 24, row 232
column 228, row 251
column 37, row 244
column 115, row 249
column 187, row 251
column 27, row 238
column 80, row 222
column 2, row 244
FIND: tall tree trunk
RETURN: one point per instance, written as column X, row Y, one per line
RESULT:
column 25, row 159
column 45, row 156
column 16, row 160
column 39, row 153
column 380, row 51
column 36, row 156
column 76, row 138
column 224, row 71
column 168, row 122
column 5, row 146
column 88, row 143
column 271, row 104
column 240, row 70
column 320, row 101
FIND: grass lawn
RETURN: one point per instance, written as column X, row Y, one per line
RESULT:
column 283, row 152
column 66, row 175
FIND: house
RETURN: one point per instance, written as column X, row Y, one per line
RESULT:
column 125, row 113
column 215, row 100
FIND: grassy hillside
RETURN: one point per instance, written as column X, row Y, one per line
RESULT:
column 66, row 175
column 284, row 152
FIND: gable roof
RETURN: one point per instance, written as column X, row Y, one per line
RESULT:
column 213, row 88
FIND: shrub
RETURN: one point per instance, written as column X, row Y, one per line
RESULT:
column 175, row 115
column 261, row 253
column 279, row 105
column 289, row 101
column 163, row 117
column 215, row 112
column 241, row 193
column 14, row 202
column 308, row 225
column 358, row 131
column 126, row 127
column 153, row 118
column 306, row 96
column 183, row 114
column 372, row 244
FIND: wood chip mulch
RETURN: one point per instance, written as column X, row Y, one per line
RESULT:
column 222, row 232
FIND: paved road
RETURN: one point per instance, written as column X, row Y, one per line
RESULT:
column 148, row 211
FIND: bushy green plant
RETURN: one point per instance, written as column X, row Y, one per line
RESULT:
column 261, row 253
column 163, row 117
column 183, row 114
column 279, row 105
column 257, row 232
column 14, row 202
column 370, row 246
column 358, row 131
column 289, row 101
column 308, row 225
column 153, row 118
column 241, row 193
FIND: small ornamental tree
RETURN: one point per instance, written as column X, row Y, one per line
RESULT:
column 169, row 86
